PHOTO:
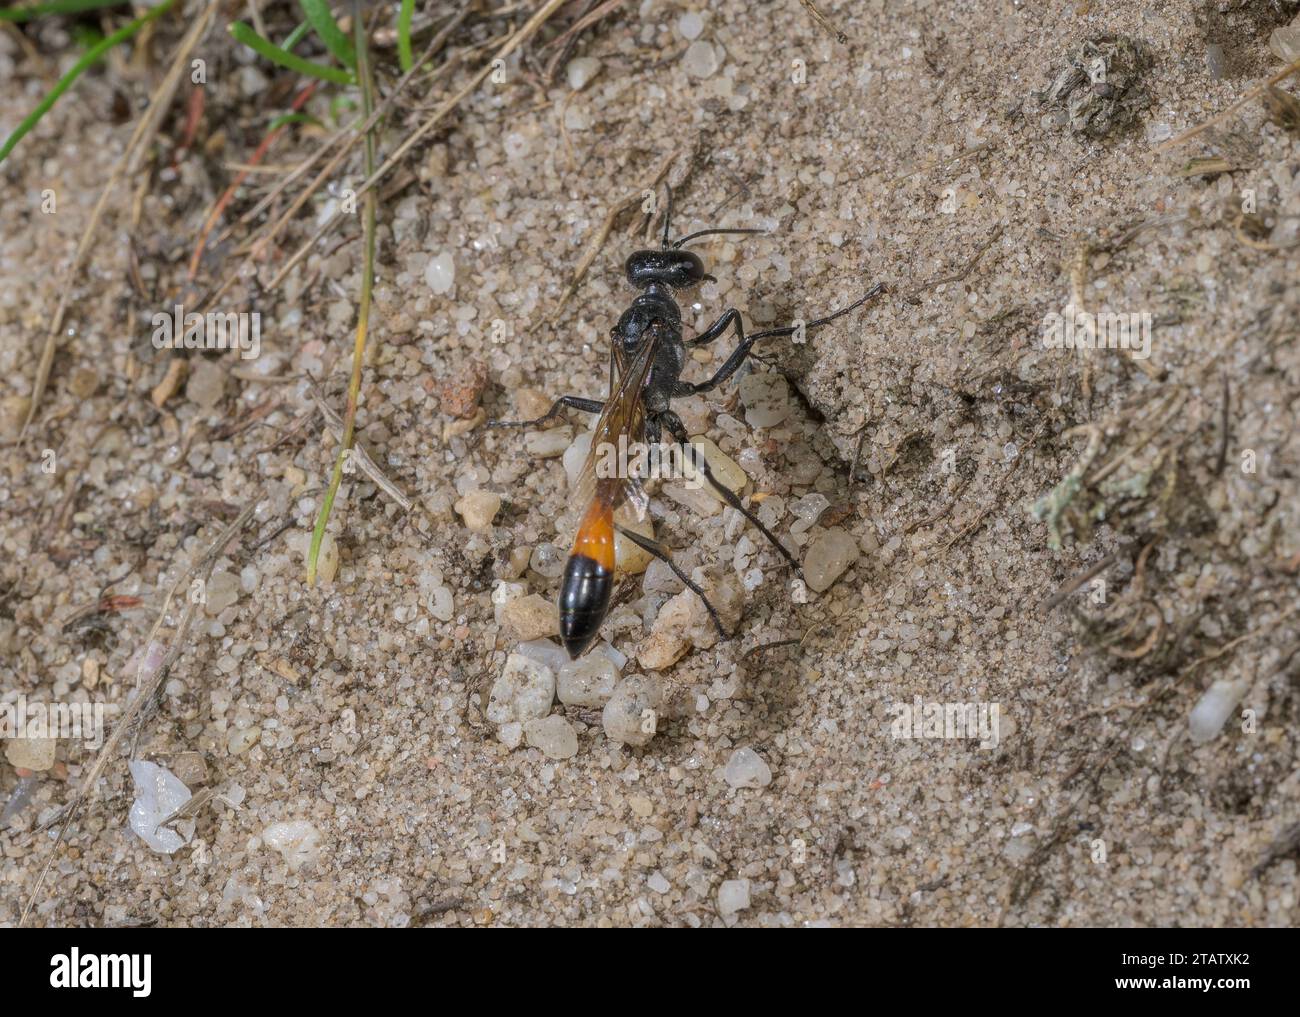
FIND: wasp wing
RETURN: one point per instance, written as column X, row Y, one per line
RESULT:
column 621, row 425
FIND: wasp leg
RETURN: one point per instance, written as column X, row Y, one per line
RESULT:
column 659, row 551
column 678, row 430
column 738, row 355
column 573, row 402
column 728, row 317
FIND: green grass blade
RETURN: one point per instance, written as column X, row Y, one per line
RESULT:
column 89, row 59
column 56, row 7
column 296, row 36
column 263, row 47
column 293, row 118
column 323, row 23
column 404, row 35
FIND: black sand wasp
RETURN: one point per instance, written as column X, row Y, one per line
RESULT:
column 646, row 361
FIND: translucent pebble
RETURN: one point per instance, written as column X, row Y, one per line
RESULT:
column 746, row 768
column 158, row 793
column 587, row 681
column 298, row 841
column 580, row 71
column 575, row 456
column 701, row 60
column 631, row 715
column 524, row 691
column 545, row 652
column 553, row 735
column 1285, row 42
column 511, row 735
column 440, row 273
column 547, row 560
column 222, row 591
column 690, row 25
column 548, row 444
column 1214, row 708
column 733, row 896
column 630, row 558
column 827, row 558
column 766, row 398
column 724, row 469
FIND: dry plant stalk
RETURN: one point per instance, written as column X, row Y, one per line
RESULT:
column 126, row 166
column 366, row 77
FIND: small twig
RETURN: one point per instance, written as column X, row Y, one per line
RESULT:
column 602, row 234
column 824, row 22
column 360, row 456
column 126, row 166
column 1258, row 90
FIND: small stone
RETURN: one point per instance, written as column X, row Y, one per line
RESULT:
column 297, row 841
column 531, row 617
column 440, row 273
column 478, row 509
column 669, row 637
column 733, row 896
column 222, row 591
column 190, row 768
column 207, row 384
column 829, row 555
column 1214, row 708
column 158, row 793
column 459, row 394
column 553, row 735
column 701, row 60
column 547, row 561
column 545, row 652
column 724, row 469
column 240, row 739
column 523, row 692
column 31, row 753
column 766, row 397
column 1285, row 42
column 83, row 383
column 630, row 558
column 548, row 444
column 511, row 735
column 690, row 25
column 580, row 71
column 631, row 715
column 575, row 457
column 13, row 411
column 746, row 768
column 658, row 883
column 587, row 681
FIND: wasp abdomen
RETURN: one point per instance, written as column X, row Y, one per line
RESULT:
column 584, row 600
column 588, row 579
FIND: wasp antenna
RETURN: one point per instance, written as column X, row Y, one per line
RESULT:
column 711, row 232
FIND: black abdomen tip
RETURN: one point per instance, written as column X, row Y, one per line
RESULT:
column 584, row 600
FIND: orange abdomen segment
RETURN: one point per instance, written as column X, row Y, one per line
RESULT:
column 595, row 536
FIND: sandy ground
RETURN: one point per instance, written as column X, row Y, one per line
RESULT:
column 922, row 154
